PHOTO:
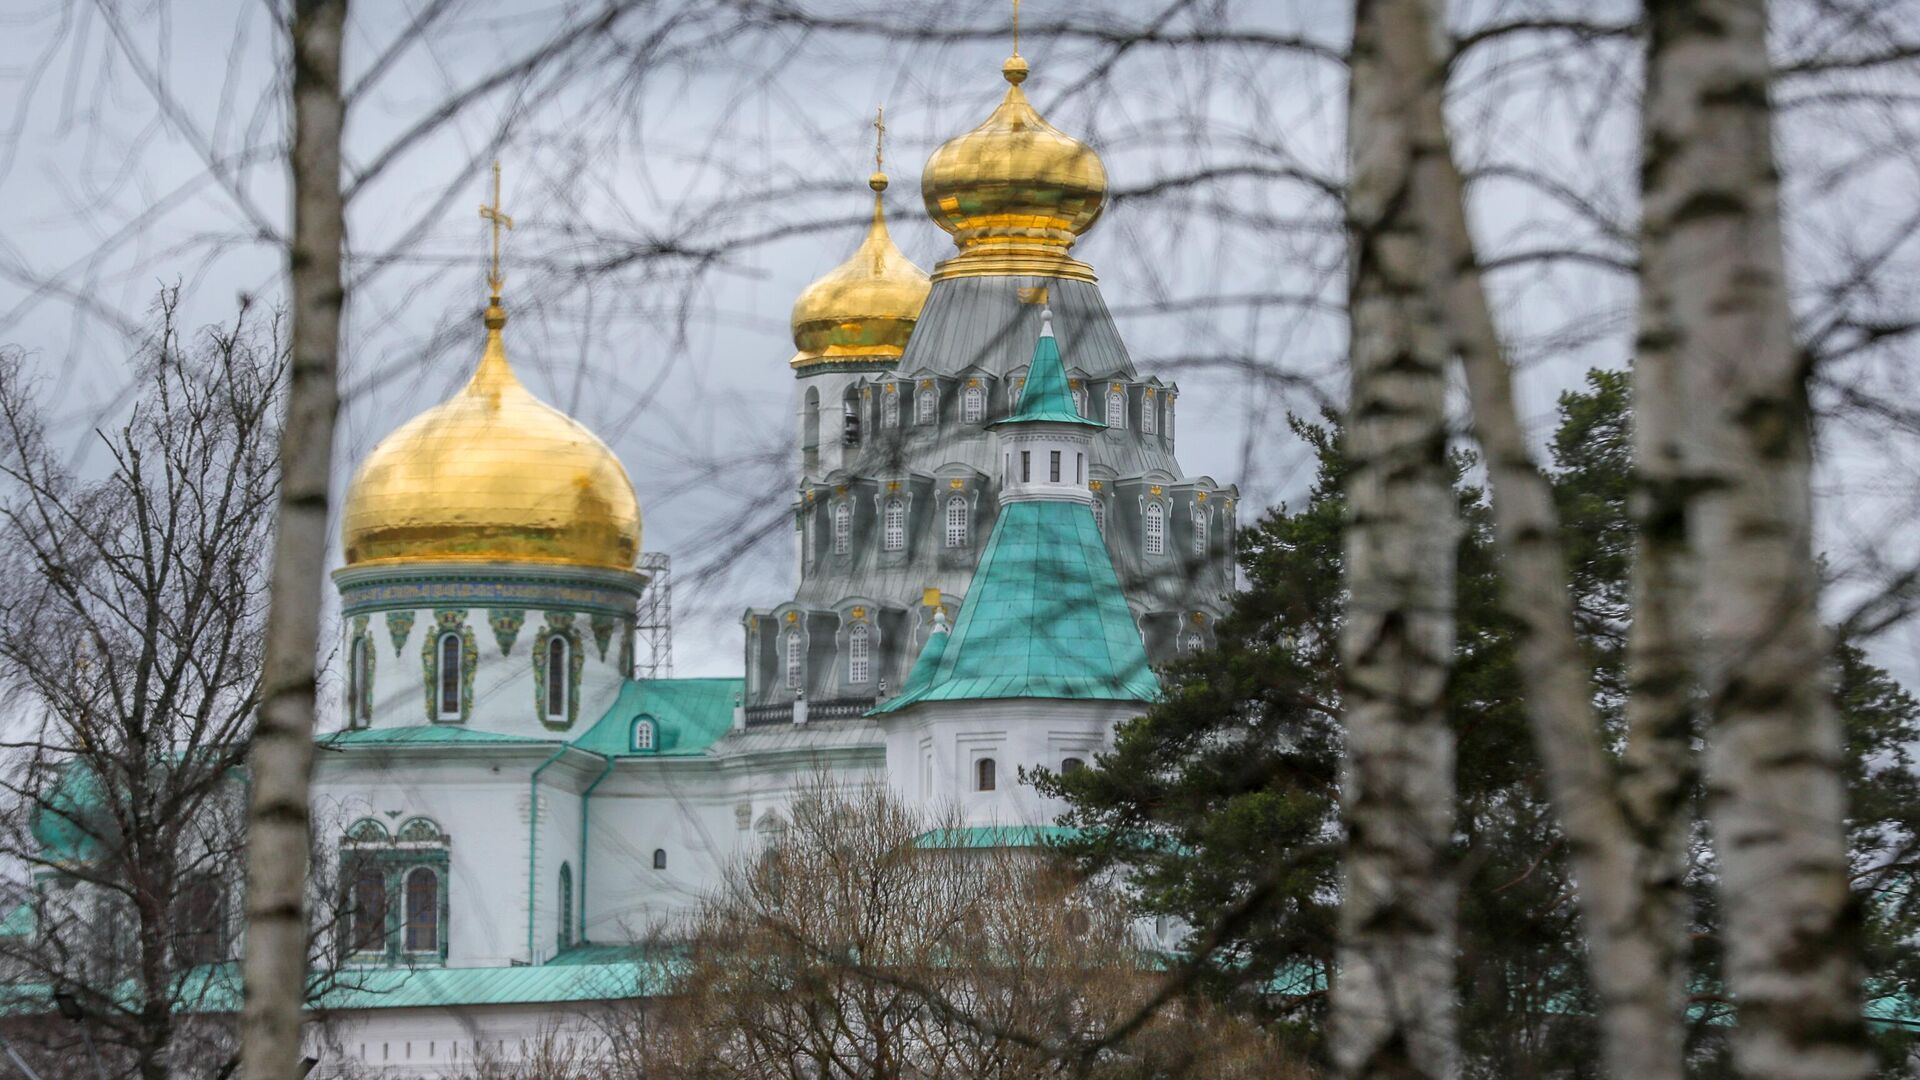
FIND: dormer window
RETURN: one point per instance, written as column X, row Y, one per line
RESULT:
column 927, row 406
column 1117, row 409
column 1156, row 529
column 796, row 659
column 973, row 404
column 893, row 526
column 1200, row 533
column 1149, row 414
column 643, row 735
column 957, row 521
column 842, row 527
column 1080, row 400
column 858, row 662
column 890, row 408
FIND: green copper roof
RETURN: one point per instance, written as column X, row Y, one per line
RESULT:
column 688, row 716
column 1047, row 396
column 1043, row 618
column 995, row 836
column 423, row 735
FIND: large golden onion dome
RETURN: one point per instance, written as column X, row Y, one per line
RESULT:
column 864, row 309
column 494, row 474
column 1015, row 192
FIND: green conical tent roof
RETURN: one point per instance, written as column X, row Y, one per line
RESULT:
column 1044, row 618
column 1047, row 395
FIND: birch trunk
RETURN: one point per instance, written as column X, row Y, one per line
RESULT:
column 1774, row 791
column 1627, row 867
column 278, row 820
column 1393, row 1000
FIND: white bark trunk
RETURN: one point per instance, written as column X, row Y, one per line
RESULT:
column 1628, row 886
column 1393, row 1000
column 275, row 969
column 1774, row 791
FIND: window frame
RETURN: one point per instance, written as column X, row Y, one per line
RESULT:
column 449, row 674
column 558, row 650
column 893, row 524
column 859, row 654
column 926, row 406
column 973, row 404
column 566, row 904
column 957, row 521
column 407, row 922
column 1117, row 409
column 796, row 657
column 1154, row 527
column 643, row 725
column 985, row 775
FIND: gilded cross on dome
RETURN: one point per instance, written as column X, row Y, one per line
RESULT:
column 492, row 215
column 879, row 138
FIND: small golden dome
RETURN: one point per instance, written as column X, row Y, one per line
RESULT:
column 864, row 309
column 1015, row 192
column 493, row 474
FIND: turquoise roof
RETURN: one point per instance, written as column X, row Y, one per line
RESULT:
column 688, row 716
column 65, row 822
column 1046, row 395
column 1043, row 618
column 995, row 836
column 425, row 735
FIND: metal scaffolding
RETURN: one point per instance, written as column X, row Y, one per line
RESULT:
column 653, row 626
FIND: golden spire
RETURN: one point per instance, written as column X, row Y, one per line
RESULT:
column 863, row 310
column 495, row 279
column 1015, row 192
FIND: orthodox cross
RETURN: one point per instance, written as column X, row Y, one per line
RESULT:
column 492, row 215
column 879, row 137
column 1016, row 27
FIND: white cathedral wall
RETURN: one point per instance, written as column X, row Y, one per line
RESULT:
column 933, row 751
column 481, row 798
column 446, row 1042
column 504, row 699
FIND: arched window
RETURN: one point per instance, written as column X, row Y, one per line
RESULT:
column 1156, row 529
column 890, row 406
column 1100, row 516
column 983, row 774
column 1116, row 409
column 566, row 905
column 659, row 858
column 1192, row 642
column 423, row 910
column 973, row 404
column 419, row 830
column 199, row 922
column 842, row 527
column 450, row 676
column 893, row 526
column 360, row 682
column 1200, row 532
column 556, row 677
column 850, row 418
column 796, row 659
column 1019, row 391
column 643, row 734
column 957, row 521
column 1169, row 408
column 1149, row 414
column 857, row 654
column 810, row 431
column 1069, row 766
column 367, row 911
column 1080, row 400
column 926, row 407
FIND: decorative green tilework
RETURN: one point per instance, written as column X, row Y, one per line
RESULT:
column 559, row 623
column 399, row 625
column 506, row 627
column 445, row 622
column 602, row 632
column 1044, row 618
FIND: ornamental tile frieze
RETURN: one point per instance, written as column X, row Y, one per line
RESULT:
column 506, row 624
column 602, row 633
column 399, row 625
column 378, row 594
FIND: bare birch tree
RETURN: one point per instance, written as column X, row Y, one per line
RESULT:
column 278, row 833
column 1718, row 300
column 1393, row 1010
